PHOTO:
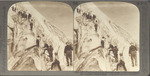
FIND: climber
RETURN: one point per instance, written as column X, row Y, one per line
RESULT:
column 133, row 54
column 45, row 47
column 68, row 53
column 78, row 10
column 84, row 14
column 29, row 16
column 31, row 26
column 23, row 16
column 13, row 8
column 89, row 15
column 56, row 64
column 50, row 51
column 20, row 13
column 95, row 27
column 94, row 17
column 95, row 24
column 102, row 42
column 110, row 48
column 38, row 41
column 121, row 65
column 115, row 52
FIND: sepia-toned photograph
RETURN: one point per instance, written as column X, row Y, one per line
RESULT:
column 40, row 36
column 106, row 37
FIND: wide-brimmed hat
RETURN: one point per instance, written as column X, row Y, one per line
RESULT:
column 131, row 43
column 68, row 42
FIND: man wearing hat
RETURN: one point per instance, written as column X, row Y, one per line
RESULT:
column 121, row 65
column 132, row 54
column 68, row 53
column 56, row 64
column 102, row 42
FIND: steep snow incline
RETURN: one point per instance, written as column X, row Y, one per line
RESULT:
column 89, row 40
column 23, row 55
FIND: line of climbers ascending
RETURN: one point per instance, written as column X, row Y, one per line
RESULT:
column 23, row 16
column 89, row 16
column 56, row 64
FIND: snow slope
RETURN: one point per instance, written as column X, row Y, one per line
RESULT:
column 87, row 40
column 24, row 55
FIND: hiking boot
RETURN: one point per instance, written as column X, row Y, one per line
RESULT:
column 132, row 65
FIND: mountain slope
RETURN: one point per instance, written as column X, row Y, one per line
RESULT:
column 87, row 39
column 23, row 55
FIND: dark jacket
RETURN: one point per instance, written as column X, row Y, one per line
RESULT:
column 45, row 46
column 84, row 14
column 37, row 42
column 56, row 64
column 68, row 48
column 132, row 48
column 48, row 48
column 121, row 64
column 102, row 43
column 115, row 50
column 29, row 16
column 94, row 17
column 111, row 46
column 88, row 16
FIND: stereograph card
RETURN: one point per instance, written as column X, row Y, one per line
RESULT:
column 100, row 38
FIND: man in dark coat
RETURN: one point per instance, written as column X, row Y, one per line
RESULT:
column 50, row 51
column 31, row 26
column 115, row 52
column 23, row 14
column 89, row 15
column 68, row 53
column 29, row 16
column 110, row 48
column 56, row 64
column 45, row 47
column 84, row 14
column 95, row 21
column 38, row 41
column 121, row 66
column 133, row 54
column 95, row 27
column 19, row 13
column 94, row 17
column 102, row 42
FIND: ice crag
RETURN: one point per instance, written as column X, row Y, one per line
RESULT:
column 23, row 55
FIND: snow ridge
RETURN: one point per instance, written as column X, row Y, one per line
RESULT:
column 88, row 41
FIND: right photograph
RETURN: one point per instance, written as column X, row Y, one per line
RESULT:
column 106, row 37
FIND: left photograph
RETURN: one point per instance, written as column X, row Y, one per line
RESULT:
column 40, row 36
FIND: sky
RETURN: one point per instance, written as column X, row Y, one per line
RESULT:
column 57, row 13
column 124, row 14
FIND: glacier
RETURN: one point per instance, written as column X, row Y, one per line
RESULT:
column 22, row 54
column 89, row 56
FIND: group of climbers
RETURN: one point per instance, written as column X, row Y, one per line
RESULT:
column 23, row 16
column 89, row 16
column 49, row 48
column 114, row 50
column 68, row 48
